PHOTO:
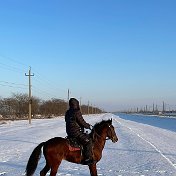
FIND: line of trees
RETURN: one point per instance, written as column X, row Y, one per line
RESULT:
column 17, row 107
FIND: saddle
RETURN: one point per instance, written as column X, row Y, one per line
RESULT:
column 74, row 145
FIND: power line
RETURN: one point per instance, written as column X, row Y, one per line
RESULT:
column 43, row 79
column 43, row 92
column 39, row 79
column 11, row 68
column 6, row 82
column 12, row 60
column 4, row 85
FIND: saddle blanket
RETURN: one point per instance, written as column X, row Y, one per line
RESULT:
column 71, row 148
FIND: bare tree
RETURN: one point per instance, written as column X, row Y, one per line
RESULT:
column 17, row 106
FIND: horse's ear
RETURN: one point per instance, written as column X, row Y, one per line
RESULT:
column 111, row 120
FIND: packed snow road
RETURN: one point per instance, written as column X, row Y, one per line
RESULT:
column 142, row 150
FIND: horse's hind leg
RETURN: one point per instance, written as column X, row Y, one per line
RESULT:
column 54, row 169
column 44, row 171
column 93, row 169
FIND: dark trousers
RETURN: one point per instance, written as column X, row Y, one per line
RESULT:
column 86, row 141
column 88, row 150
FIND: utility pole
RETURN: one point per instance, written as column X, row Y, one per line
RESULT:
column 80, row 104
column 163, row 107
column 30, row 100
column 153, row 107
column 88, row 108
column 68, row 97
column 156, row 108
column 92, row 108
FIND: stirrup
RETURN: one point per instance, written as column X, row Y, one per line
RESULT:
column 88, row 162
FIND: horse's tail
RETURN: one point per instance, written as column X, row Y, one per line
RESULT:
column 33, row 160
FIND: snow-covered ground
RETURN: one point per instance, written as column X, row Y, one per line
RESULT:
column 145, row 147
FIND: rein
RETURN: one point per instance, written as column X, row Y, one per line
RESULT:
column 101, row 136
column 98, row 136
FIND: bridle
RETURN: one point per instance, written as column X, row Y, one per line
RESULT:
column 110, row 127
column 107, row 138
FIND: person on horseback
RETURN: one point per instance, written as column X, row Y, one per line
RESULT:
column 75, row 125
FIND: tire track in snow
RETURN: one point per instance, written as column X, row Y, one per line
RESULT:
column 152, row 145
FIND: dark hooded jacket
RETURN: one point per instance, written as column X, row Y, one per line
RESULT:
column 74, row 119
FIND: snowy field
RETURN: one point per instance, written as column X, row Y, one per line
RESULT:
column 146, row 146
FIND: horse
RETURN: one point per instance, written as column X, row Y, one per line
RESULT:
column 57, row 149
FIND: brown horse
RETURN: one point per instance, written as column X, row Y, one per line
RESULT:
column 57, row 149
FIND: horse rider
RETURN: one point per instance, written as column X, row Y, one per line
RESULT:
column 75, row 125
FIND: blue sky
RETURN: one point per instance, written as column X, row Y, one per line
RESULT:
column 116, row 54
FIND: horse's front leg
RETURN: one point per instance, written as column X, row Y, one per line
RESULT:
column 93, row 169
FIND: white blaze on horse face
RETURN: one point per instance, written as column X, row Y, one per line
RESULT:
column 113, row 135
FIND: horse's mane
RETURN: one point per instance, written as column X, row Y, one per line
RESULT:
column 98, row 126
column 102, row 123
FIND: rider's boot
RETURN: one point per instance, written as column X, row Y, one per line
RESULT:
column 88, row 154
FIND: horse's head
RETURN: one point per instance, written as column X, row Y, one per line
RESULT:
column 111, row 134
column 107, row 127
